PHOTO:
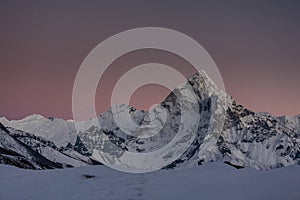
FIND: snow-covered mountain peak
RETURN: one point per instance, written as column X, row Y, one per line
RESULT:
column 227, row 131
column 3, row 120
column 32, row 118
column 200, row 77
column 59, row 131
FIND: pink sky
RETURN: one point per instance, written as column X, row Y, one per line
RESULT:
column 255, row 45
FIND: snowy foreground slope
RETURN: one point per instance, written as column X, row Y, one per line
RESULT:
column 211, row 181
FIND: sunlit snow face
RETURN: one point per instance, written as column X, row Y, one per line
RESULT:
column 164, row 133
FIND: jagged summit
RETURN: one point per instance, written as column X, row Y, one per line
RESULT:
column 203, row 81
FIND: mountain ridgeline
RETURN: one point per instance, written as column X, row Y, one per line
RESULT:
column 247, row 139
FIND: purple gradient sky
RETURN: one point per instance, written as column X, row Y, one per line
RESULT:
column 255, row 44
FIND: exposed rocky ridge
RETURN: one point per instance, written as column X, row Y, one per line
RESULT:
column 259, row 140
column 33, row 152
column 15, row 152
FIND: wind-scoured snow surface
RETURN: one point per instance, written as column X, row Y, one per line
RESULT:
column 211, row 181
